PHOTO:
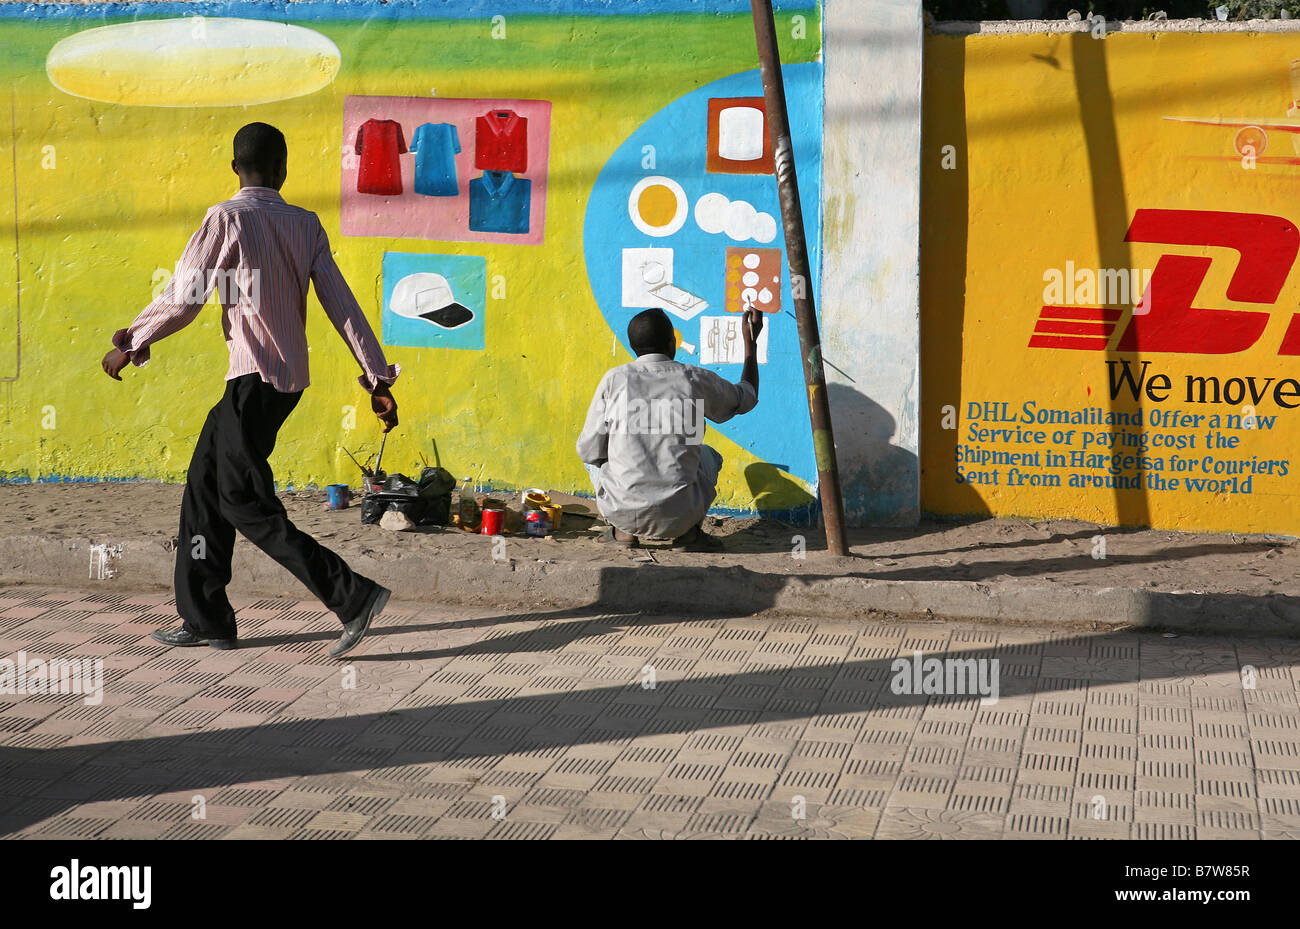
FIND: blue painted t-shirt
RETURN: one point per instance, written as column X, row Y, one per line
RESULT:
column 436, row 146
column 499, row 202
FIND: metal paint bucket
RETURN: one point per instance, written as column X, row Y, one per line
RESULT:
column 494, row 522
column 537, row 524
column 534, row 498
column 339, row 496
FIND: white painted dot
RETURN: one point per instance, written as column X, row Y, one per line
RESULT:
column 764, row 228
column 751, row 260
column 749, row 279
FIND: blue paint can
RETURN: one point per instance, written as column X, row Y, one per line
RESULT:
column 339, row 496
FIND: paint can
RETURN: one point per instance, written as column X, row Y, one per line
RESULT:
column 494, row 521
column 339, row 496
column 554, row 511
column 537, row 524
column 534, row 498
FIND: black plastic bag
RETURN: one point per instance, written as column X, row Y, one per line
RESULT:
column 436, row 481
column 402, row 485
column 436, row 485
column 424, row 504
column 373, row 507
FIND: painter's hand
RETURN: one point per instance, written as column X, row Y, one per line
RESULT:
column 114, row 362
column 752, row 327
column 385, row 407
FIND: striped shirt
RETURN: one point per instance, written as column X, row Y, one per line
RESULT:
column 258, row 253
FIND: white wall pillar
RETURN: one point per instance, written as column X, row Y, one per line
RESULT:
column 870, row 283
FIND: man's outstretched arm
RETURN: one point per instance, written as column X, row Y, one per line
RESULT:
column 207, row 253
column 723, row 399
column 345, row 313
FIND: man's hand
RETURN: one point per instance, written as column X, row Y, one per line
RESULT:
column 384, row 406
column 114, row 362
column 753, row 325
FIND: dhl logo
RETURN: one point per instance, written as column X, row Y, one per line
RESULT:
column 1167, row 320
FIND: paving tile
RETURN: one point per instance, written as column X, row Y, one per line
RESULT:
column 925, row 823
column 531, row 727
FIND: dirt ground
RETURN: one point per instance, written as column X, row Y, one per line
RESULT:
column 1054, row 551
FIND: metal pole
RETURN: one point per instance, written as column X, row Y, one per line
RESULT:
column 805, row 310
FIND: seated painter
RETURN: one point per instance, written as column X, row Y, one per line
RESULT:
column 643, row 442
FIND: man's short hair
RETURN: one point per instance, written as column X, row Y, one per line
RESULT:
column 260, row 148
column 650, row 332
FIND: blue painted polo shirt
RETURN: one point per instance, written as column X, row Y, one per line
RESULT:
column 499, row 202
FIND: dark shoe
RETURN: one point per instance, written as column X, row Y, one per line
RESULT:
column 617, row 537
column 355, row 630
column 183, row 638
column 696, row 540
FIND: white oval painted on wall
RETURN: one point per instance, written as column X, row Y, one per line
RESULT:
column 194, row 61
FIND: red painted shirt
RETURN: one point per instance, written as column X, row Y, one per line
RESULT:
column 501, row 142
column 379, row 142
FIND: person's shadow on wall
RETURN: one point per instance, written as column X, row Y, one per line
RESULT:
column 779, row 496
column 879, row 480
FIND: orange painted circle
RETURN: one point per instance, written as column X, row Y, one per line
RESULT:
column 657, row 205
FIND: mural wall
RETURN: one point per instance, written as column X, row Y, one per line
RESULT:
column 1110, row 297
column 504, row 186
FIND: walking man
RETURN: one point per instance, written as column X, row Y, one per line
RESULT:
column 259, row 253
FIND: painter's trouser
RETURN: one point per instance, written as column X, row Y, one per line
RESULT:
column 706, row 478
column 229, row 487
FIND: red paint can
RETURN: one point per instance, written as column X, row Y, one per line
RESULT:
column 494, row 522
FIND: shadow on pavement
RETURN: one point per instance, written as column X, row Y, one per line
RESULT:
column 384, row 739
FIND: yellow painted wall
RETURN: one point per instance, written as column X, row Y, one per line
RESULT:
column 1056, row 141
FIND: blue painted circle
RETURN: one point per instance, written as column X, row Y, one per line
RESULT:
column 777, row 430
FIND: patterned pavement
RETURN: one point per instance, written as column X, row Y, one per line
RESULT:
column 455, row 723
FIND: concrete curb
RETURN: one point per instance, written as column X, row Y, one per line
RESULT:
column 555, row 585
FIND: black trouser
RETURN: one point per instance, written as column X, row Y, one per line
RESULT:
column 229, row 486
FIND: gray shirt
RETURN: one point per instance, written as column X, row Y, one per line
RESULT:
column 645, row 431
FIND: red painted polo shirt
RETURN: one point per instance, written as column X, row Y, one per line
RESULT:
column 501, row 142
